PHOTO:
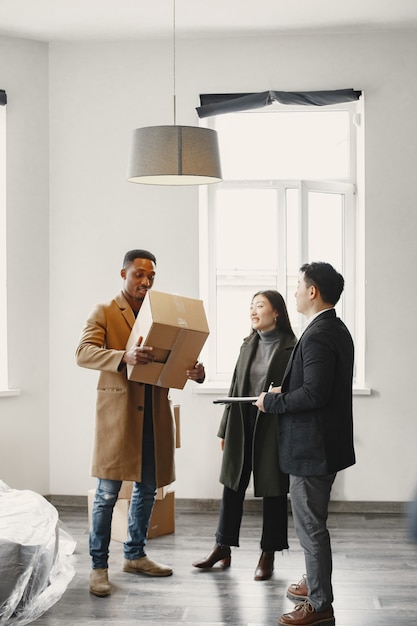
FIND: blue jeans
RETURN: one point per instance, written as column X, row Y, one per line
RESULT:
column 140, row 511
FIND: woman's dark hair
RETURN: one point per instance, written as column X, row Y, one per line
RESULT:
column 278, row 303
column 137, row 254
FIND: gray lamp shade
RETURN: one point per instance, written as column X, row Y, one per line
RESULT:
column 174, row 155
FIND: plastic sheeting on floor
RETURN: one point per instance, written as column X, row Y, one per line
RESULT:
column 35, row 551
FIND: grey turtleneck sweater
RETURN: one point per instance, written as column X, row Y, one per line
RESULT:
column 267, row 345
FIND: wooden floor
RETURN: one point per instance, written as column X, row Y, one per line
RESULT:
column 375, row 577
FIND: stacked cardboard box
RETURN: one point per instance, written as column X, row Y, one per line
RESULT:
column 163, row 515
column 177, row 426
column 162, row 520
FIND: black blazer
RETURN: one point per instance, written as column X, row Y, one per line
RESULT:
column 315, row 432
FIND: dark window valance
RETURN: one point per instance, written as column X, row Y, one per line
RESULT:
column 214, row 104
column 3, row 97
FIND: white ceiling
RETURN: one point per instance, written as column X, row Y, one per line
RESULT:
column 70, row 20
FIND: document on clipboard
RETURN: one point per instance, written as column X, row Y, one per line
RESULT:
column 230, row 400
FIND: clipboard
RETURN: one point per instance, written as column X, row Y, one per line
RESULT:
column 230, row 400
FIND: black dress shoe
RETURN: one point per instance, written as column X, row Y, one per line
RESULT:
column 219, row 553
column 265, row 566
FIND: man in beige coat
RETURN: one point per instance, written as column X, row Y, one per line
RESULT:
column 134, row 428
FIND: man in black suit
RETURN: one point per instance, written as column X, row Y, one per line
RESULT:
column 315, row 433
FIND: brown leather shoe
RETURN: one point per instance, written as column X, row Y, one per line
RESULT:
column 265, row 566
column 298, row 591
column 305, row 615
column 219, row 553
column 99, row 582
column 145, row 565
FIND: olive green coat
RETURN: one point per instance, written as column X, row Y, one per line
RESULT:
column 268, row 479
column 117, row 452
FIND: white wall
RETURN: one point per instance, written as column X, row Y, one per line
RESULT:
column 24, row 420
column 98, row 93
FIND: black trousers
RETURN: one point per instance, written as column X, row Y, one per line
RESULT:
column 275, row 509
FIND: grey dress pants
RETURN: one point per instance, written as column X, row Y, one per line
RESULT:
column 310, row 497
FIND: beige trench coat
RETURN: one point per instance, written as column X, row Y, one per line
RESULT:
column 117, row 452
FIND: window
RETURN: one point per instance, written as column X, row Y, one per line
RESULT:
column 288, row 197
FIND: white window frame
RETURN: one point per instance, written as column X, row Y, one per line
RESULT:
column 5, row 389
column 353, row 268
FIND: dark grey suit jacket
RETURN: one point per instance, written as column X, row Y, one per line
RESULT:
column 315, row 432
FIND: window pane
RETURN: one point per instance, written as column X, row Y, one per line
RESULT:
column 325, row 232
column 292, row 218
column 246, row 229
column 325, row 228
column 246, row 256
column 233, row 317
column 285, row 145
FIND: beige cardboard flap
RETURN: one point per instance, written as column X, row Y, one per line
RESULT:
column 176, row 328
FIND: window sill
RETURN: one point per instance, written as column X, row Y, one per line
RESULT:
column 222, row 389
column 9, row 392
column 362, row 391
column 212, row 388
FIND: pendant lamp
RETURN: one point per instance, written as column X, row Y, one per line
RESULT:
column 174, row 155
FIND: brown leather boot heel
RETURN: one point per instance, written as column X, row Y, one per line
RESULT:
column 265, row 566
column 219, row 553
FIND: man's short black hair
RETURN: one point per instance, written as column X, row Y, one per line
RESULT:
column 137, row 254
column 327, row 280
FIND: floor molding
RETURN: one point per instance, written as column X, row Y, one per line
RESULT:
column 251, row 505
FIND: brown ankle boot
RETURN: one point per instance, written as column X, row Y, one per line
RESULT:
column 265, row 566
column 219, row 553
column 99, row 582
